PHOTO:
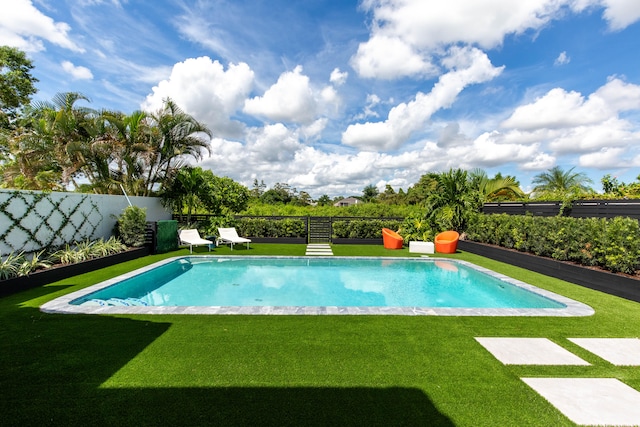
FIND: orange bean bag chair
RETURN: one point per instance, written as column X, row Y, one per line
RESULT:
column 447, row 242
column 391, row 239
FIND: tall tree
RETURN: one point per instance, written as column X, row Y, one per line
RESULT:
column 369, row 193
column 175, row 135
column 16, row 83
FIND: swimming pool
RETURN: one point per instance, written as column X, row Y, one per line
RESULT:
column 316, row 285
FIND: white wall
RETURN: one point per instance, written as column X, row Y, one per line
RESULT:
column 32, row 220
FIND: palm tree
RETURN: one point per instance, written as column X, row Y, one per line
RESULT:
column 131, row 142
column 175, row 134
column 496, row 188
column 453, row 201
column 557, row 181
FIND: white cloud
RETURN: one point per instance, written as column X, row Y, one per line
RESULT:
column 77, row 72
column 290, row 99
column 567, row 122
column 406, row 34
column 338, row 77
column 561, row 109
column 606, row 158
column 468, row 66
column 23, row 26
column 621, row 13
column 562, row 59
column 390, row 58
column 204, row 89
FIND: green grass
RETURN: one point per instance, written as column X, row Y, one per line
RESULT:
column 286, row 370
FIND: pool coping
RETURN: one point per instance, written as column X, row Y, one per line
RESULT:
column 572, row 308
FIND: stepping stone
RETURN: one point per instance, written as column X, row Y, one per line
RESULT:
column 319, row 249
column 591, row 401
column 529, row 351
column 617, row 351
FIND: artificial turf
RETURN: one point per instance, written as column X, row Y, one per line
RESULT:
column 287, row 370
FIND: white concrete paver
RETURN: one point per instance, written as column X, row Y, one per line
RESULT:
column 617, row 351
column 529, row 351
column 591, row 401
column 323, row 249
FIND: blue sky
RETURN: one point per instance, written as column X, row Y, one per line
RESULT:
column 332, row 96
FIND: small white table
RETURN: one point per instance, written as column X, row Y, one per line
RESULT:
column 421, row 247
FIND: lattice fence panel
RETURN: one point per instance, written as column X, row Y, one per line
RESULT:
column 33, row 221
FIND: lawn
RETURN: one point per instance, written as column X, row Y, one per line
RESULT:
column 286, row 370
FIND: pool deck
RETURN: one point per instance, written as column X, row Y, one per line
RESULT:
column 572, row 308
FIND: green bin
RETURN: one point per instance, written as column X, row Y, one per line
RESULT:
column 166, row 236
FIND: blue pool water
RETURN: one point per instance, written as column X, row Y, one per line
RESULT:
column 314, row 282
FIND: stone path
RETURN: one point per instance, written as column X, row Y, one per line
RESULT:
column 585, row 401
column 323, row 249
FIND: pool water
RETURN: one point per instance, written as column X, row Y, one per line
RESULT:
column 316, row 282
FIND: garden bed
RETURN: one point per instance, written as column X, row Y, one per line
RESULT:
column 624, row 286
column 59, row 272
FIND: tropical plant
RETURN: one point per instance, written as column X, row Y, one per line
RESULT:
column 496, row 188
column 416, row 228
column 175, row 134
column 10, row 265
column 559, row 182
column 132, row 225
column 453, row 202
column 38, row 261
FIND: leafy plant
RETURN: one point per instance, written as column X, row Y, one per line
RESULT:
column 10, row 266
column 132, row 225
column 416, row 228
column 37, row 262
column 613, row 244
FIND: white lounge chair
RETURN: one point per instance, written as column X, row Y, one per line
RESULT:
column 230, row 236
column 192, row 238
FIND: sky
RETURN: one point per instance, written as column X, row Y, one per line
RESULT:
column 332, row 96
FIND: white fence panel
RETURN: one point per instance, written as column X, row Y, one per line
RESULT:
column 32, row 220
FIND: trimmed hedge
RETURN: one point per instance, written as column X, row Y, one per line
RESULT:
column 613, row 244
column 363, row 228
column 268, row 227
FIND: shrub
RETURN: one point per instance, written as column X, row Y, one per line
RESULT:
column 271, row 227
column 132, row 225
column 613, row 244
column 363, row 228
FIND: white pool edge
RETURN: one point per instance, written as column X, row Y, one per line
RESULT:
column 62, row 305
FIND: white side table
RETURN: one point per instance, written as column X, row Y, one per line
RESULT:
column 421, row 247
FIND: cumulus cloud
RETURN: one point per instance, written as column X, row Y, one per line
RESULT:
column 77, row 72
column 293, row 99
column 23, row 26
column 338, row 77
column 621, row 13
column 606, row 158
column 204, row 89
column 290, row 99
column 405, row 34
column 467, row 66
column 386, row 57
column 598, row 126
column 561, row 109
